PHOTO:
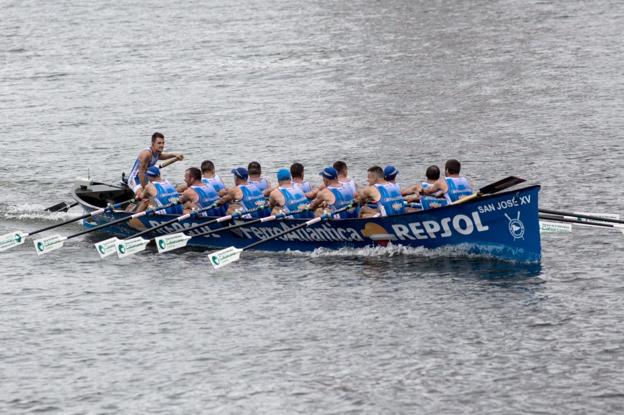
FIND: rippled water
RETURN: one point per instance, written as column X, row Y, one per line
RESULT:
column 527, row 88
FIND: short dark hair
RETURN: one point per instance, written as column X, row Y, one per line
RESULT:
column 453, row 166
column 207, row 165
column 195, row 173
column 254, row 168
column 296, row 170
column 340, row 166
column 377, row 171
column 433, row 173
column 156, row 136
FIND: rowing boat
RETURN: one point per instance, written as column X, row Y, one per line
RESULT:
column 503, row 225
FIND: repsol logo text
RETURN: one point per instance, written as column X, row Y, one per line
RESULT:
column 444, row 228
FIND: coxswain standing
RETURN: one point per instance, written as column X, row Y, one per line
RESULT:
column 147, row 158
column 382, row 198
column 287, row 197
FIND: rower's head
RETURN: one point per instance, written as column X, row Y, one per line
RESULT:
column 329, row 175
column 390, row 173
column 284, row 177
column 207, row 168
column 432, row 173
column 153, row 174
column 341, row 168
column 240, row 175
column 192, row 176
column 254, row 169
column 158, row 142
column 296, row 171
column 375, row 175
column 452, row 167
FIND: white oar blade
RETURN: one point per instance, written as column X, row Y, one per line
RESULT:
column 225, row 256
column 554, row 227
column 11, row 240
column 171, row 242
column 131, row 246
column 49, row 244
column 106, row 247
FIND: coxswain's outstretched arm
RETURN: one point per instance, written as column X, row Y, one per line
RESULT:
column 166, row 156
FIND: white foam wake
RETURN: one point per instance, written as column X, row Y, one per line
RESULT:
column 24, row 211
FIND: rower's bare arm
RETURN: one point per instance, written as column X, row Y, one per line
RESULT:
column 410, row 190
column 166, row 156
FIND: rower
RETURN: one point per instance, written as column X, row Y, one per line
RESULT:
column 390, row 173
column 296, row 171
column 244, row 195
column 458, row 186
column 383, row 198
column 287, row 197
column 432, row 192
column 147, row 158
column 161, row 192
column 333, row 196
column 199, row 195
column 210, row 177
column 343, row 176
column 255, row 176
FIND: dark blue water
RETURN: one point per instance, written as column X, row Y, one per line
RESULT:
column 532, row 89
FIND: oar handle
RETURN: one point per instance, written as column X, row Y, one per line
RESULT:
column 168, row 162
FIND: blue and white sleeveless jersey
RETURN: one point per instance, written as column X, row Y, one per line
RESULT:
column 133, row 177
column 208, row 196
column 295, row 200
column 343, row 197
column 253, row 198
column 350, row 186
column 215, row 182
column 304, row 186
column 428, row 202
column 458, row 187
column 167, row 192
column 261, row 184
column 391, row 202
column 438, row 194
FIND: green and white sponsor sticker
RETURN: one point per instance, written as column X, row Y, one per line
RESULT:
column 106, row 247
column 49, row 244
column 170, row 242
column 130, row 246
column 225, row 256
column 11, row 240
column 553, row 227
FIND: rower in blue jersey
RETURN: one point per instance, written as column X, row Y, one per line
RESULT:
column 160, row 192
column 343, row 177
column 458, row 186
column 245, row 196
column 333, row 195
column 210, row 177
column 255, row 177
column 147, row 158
column 430, row 193
column 199, row 195
column 382, row 198
column 296, row 171
column 287, row 198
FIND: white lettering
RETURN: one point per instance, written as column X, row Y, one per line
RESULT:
column 402, row 232
column 417, row 231
column 467, row 229
column 431, row 227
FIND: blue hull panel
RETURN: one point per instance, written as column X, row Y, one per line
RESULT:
column 505, row 225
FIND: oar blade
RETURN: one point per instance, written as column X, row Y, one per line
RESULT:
column 11, row 240
column 130, row 246
column 106, row 247
column 60, row 207
column 171, row 242
column 500, row 185
column 224, row 257
column 554, row 227
column 49, row 244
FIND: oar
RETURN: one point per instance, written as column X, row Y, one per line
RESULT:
column 61, row 207
column 225, row 256
column 167, row 162
column 492, row 188
column 611, row 218
column 174, row 241
column 13, row 239
column 54, row 242
column 601, row 224
column 135, row 243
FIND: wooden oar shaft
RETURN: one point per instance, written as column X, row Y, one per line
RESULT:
column 253, row 222
column 223, row 218
column 579, row 215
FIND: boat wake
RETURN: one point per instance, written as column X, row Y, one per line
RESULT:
column 30, row 211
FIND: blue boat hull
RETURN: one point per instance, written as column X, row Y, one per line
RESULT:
column 504, row 225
